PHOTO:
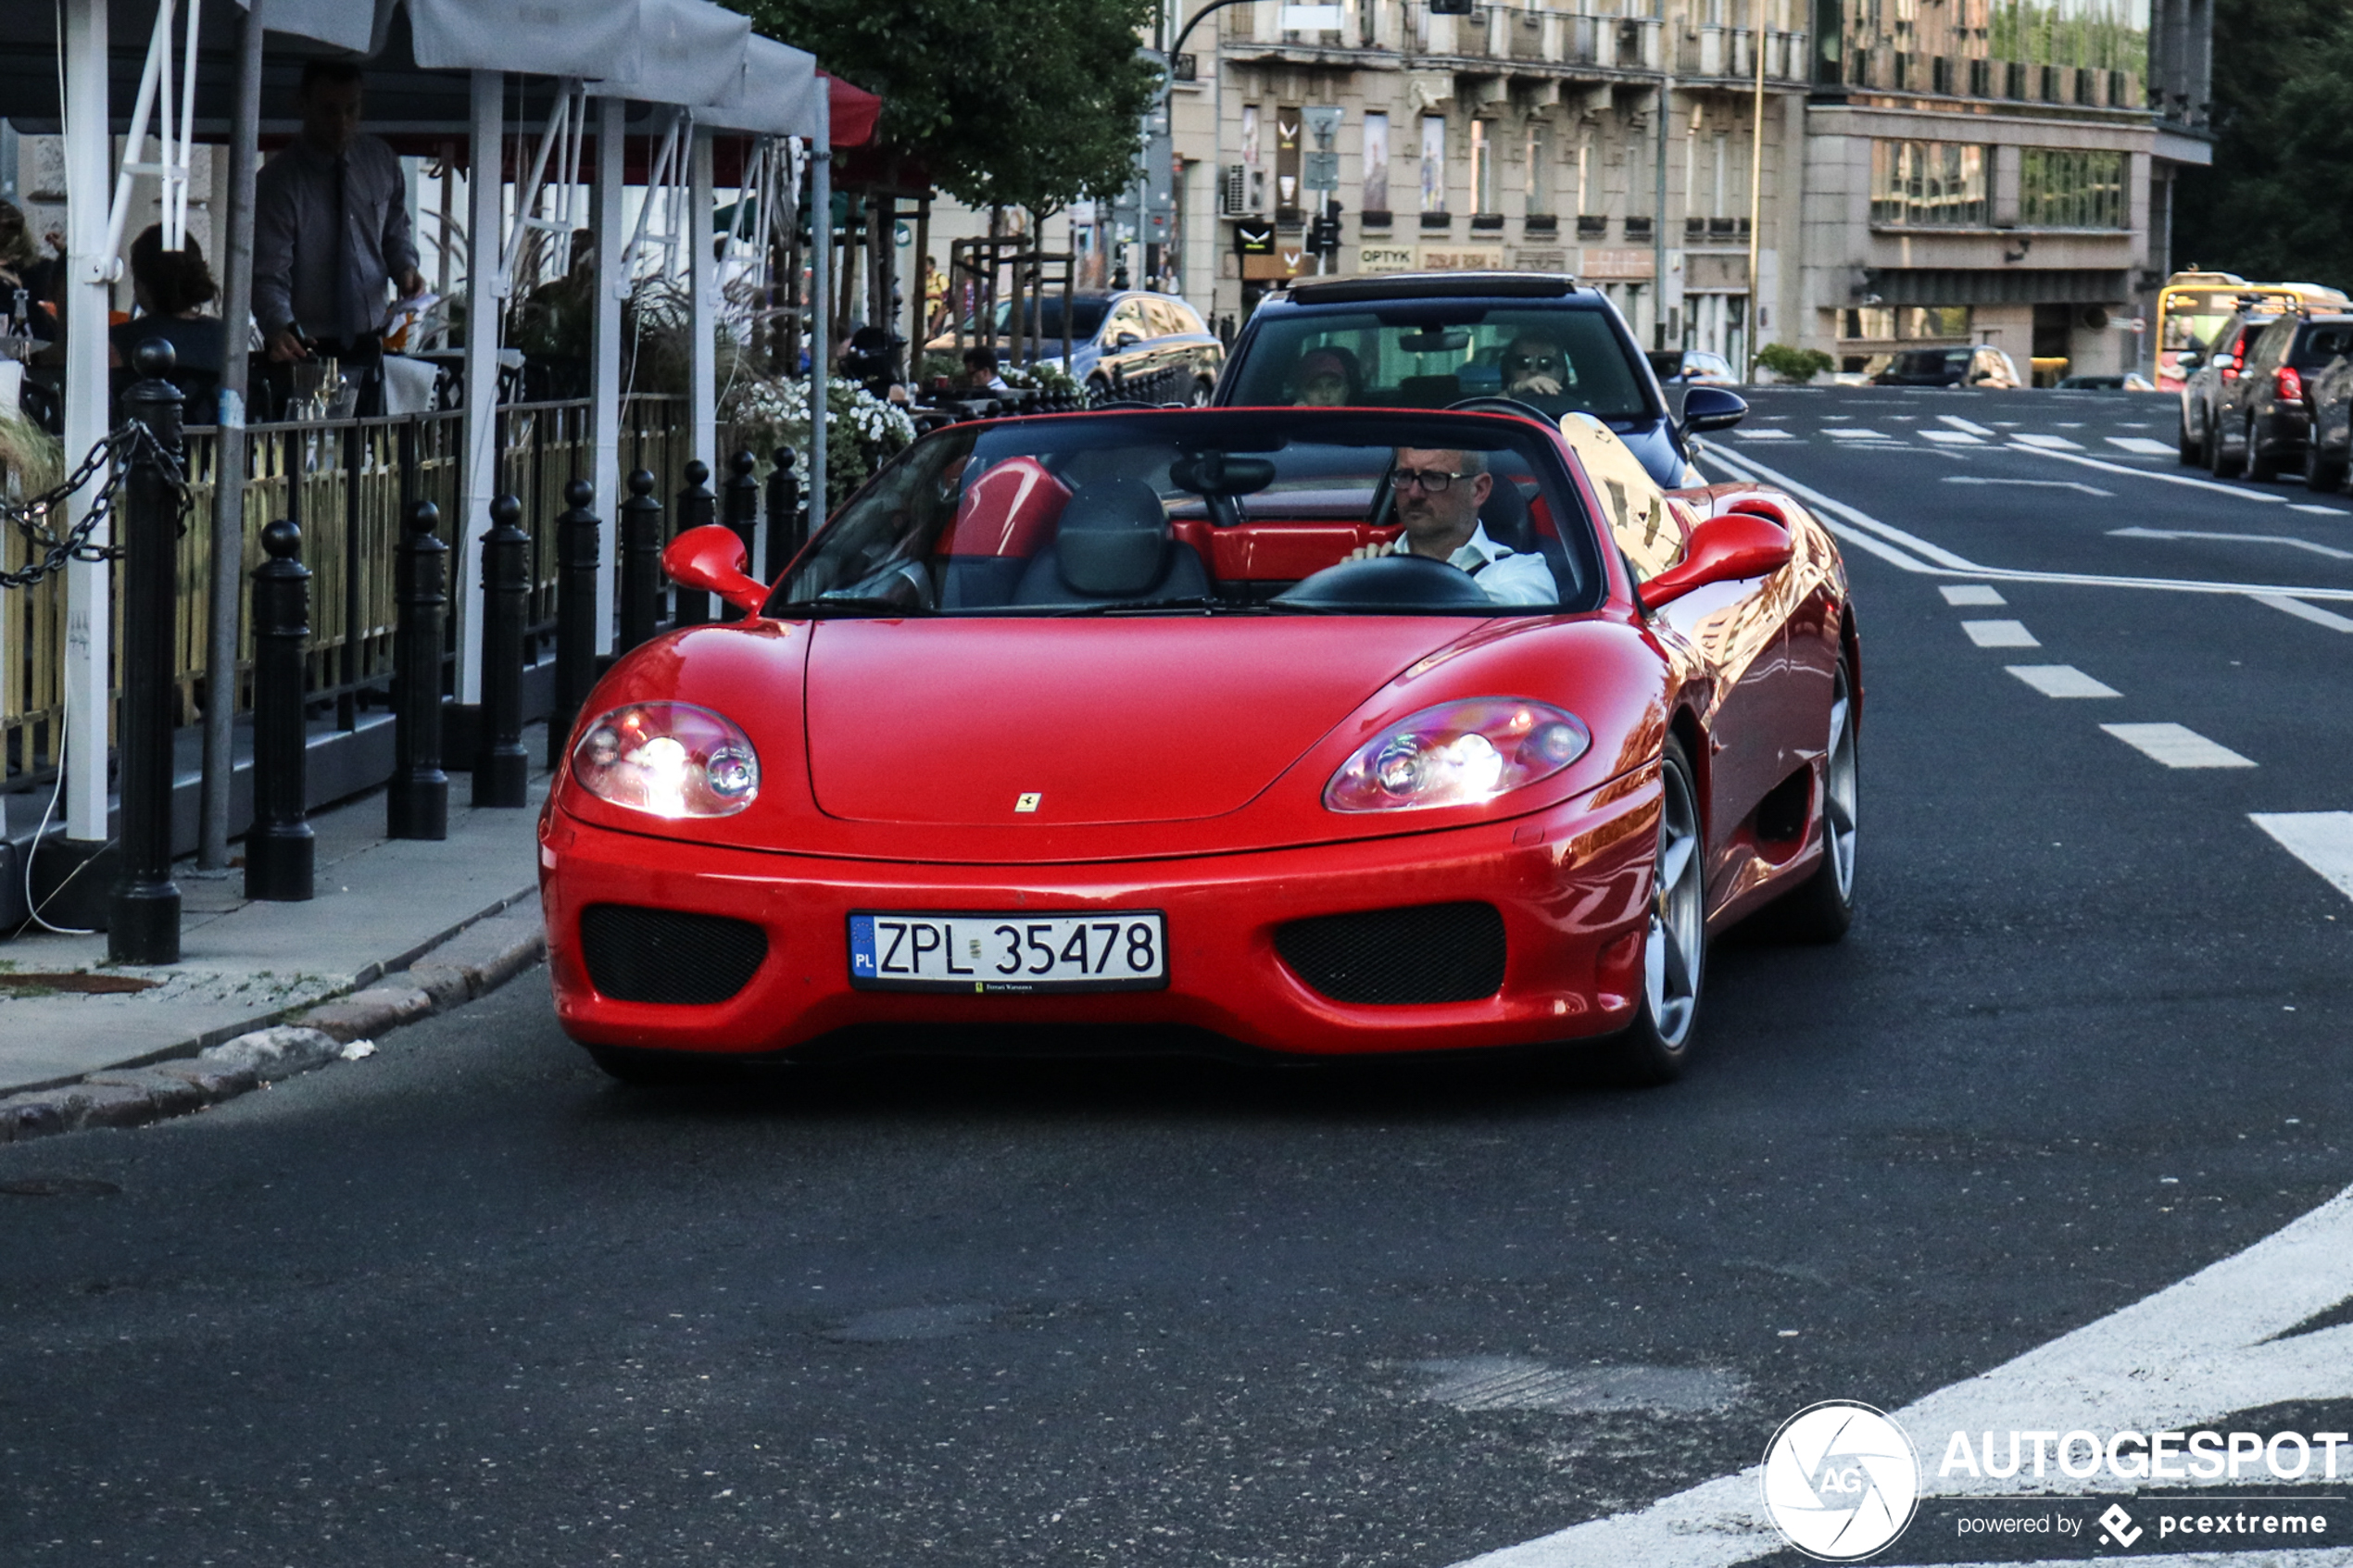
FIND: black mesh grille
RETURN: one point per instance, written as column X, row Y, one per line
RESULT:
column 1430, row 953
column 638, row 955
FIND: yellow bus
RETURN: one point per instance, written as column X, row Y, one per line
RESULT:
column 2193, row 306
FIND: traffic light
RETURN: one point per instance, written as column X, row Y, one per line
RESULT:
column 1323, row 232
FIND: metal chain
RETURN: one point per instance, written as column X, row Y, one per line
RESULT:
column 113, row 456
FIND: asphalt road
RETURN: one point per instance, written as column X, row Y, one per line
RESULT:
column 466, row 1302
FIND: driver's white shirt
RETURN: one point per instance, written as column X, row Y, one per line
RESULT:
column 1509, row 576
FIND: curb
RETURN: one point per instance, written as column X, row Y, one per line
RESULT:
column 469, row 960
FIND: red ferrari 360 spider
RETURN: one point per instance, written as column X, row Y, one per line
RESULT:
column 1316, row 731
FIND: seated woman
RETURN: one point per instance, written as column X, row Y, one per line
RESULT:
column 1326, row 378
column 169, row 287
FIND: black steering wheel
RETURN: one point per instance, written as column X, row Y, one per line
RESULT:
column 1395, row 583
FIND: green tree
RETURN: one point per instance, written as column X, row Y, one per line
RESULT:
column 2273, row 207
column 1023, row 102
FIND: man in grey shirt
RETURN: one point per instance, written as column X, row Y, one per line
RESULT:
column 330, row 228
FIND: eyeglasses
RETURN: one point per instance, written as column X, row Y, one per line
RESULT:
column 1523, row 362
column 1433, row 481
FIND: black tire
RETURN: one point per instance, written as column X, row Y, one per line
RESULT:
column 2221, row 461
column 657, row 1069
column 1822, row 907
column 2191, row 450
column 1657, row 1045
column 2262, row 467
column 2323, row 474
column 1098, row 391
column 1203, row 391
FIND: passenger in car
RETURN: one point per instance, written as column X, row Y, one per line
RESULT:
column 1326, row 378
column 1437, row 496
column 1536, row 370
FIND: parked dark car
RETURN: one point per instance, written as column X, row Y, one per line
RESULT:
column 2262, row 417
column 2328, row 450
column 1133, row 343
column 1692, row 367
column 1959, row 366
column 2206, row 371
column 2129, row 381
column 1436, row 339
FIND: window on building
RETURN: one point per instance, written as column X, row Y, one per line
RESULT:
column 2062, row 188
column 1928, row 184
column 1908, row 323
column 1540, row 169
column 1433, row 163
column 1482, row 166
column 1375, row 195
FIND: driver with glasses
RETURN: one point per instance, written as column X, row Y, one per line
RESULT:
column 1438, row 494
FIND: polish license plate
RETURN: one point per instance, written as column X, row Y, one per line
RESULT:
column 1009, row 953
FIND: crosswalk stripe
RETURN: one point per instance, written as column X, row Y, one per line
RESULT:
column 2322, row 840
column 2142, row 444
column 2061, row 679
column 1849, row 433
column 1971, row 593
column 2317, row 511
column 2176, row 745
column 1952, row 438
column 1956, row 422
column 1765, row 434
column 2303, row 611
column 2048, row 443
column 2000, row 635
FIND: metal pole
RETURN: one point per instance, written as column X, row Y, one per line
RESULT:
column 821, row 230
column 640, row 552
column 1756, row 187
column 702, row 276
column 605, row 336
column 577, row 576
column 784, row 532
column 417, row 805
column 502, row 768
column 1658, row 223
column 89, row 275
column 143, row 923
column 696, row 507
column 739, row 509
column 229, row 464
column 486, row 305
column 280, row 850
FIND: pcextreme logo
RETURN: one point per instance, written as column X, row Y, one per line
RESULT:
column 1840, row 1480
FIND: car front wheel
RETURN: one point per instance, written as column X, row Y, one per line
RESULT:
column 1655, row 1047
column 2321, row 473
column 2192, row 450
column 2221, row 461
column 2261, row 467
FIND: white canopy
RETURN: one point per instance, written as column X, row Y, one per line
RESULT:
column 778, row 93
column 688, row 52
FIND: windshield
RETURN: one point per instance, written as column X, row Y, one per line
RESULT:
column 2193, row 317
column 1931, row 361
column 1430, row 353
column 1209, row 514
column 1086, row 316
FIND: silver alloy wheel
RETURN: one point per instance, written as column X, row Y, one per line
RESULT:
column 1671, row 957
column 1840, row 790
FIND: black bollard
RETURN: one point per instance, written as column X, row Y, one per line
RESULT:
column 740, row 509
column 696, row 504
column 640, row 562
column 417, row 805
column 502, row 768
column 785, row 535
column 576, row 556
column 279, row 847
column 143, row 918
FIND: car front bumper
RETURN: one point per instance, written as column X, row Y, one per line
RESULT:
column 1572, row 885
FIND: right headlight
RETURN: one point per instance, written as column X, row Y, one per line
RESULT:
column 670, row 759
column 1459, row 753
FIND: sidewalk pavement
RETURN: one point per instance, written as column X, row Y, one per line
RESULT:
column 398, row 929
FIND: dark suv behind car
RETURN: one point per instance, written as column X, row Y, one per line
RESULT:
column 2263, row 416
column 1430, row 340
column 1959, row 366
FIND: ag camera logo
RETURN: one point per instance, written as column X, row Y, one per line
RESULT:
column 1840, row 1480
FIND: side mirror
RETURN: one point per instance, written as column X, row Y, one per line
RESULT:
column 712, row 557
column 1123, row 342
column 2189, row 361
column 1722, row 549
column 1712, row 408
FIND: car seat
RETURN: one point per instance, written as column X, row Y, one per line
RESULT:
column 1113, row 545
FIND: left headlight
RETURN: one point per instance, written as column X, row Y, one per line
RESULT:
column 1458, row 754
column 669, row 758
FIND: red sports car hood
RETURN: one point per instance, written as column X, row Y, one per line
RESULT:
column 952, row 723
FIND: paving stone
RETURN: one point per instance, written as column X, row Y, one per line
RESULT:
column 38, row 1114
column 215, row 1081
column 365, row 1015
column 117, row 1105
column 172, row 1094
column 274, row 1053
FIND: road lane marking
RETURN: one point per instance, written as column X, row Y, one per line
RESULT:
column 2297, row 608
column 1893, row 545
column 1765, row 434
column 1970, row 594
column 2141, row 443
column 1966, row 426
column 1850, row 433
column 1515, row 1382
column 2033, row 483
column 2329, row 550
column 2215, row 485
column 2176, row 745
column 2322, row 840
column 2316, row 511
column 2201, row 1350
column 2000, row 635
column 2049, row 443
column 2061, row 679
column 1953, row 437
